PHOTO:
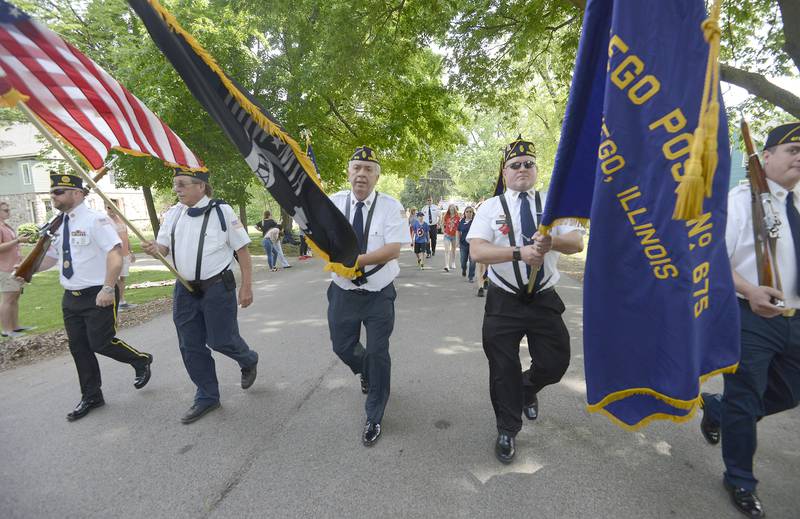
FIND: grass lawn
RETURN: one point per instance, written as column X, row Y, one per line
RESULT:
column 40, row 304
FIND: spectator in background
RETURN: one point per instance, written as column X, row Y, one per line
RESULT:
column 463, row 229
column 279, row 250
column 420, row 230
column 127, row 257
column 271, row 237
column 412, row 217
column 266, row 223
column 450, row 229
column 304, row 252
column 432, row 215
column 10, row 288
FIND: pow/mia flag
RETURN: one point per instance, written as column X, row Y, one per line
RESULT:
column 276, row 159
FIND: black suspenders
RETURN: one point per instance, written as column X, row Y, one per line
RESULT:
column 366, row 230
column 520, row 289
column 213, row 204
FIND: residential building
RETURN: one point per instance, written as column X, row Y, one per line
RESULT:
column 25, row 181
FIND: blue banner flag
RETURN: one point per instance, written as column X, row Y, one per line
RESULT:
column 660, row 311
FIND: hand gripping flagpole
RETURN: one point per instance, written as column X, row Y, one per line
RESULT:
column 78, row 169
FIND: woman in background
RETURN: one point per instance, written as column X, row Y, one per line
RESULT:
column 450, row 230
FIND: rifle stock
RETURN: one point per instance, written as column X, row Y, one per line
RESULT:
column 766, row 223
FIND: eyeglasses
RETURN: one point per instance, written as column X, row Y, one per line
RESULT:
column 59, row 192
column 528, row 164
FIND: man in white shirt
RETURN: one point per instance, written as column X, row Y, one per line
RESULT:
column 88, row 250
column 200, row 236
column 767, row 380
column 432, row 215
column 503, row 236
column 380, row 225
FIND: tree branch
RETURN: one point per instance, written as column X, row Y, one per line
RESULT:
column 580, row 4
column 335, row 111
column 759, row 86
column 790, row 14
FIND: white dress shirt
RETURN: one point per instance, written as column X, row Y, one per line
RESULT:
column 91, row 237
column 741, row 243
column 388, row 225
column 487, row 225
column 218, row 245
column 434, row 217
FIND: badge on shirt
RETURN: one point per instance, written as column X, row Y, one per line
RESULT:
column 79, row 238
column 237, row 224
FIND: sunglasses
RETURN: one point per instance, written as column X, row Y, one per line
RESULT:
column 528, row 164
column 59, row 192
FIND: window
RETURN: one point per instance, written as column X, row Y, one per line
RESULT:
column 48, row 209
column 27, row 176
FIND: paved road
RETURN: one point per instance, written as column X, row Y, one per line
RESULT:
column 290, row 446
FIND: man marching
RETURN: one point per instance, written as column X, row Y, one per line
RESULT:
column 88, row 250
column 503, row 235
column 767, row 380
column 201, row 235
column 381, row 228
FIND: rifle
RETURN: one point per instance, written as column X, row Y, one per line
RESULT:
column 28, row 267
column 766, row 223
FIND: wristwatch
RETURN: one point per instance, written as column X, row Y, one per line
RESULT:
column 107, row 289
column 517, row 255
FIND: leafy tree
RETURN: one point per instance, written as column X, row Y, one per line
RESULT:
column 497, row 43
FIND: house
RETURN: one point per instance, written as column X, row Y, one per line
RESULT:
column 25, row 180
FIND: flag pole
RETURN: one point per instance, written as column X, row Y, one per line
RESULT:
column 88, row 179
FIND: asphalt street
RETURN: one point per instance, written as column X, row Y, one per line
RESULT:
column 290, row 446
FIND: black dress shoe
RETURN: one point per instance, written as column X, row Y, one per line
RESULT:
column 504, row 447
column 249, row 375
column 531, row 411
column 83, row 408
column 746, row 501
column 364, row 384
column 709, row 428
column 197, row 411
column 143, row 374
column 372, row 431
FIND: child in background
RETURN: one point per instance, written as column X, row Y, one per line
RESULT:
column 420, row 229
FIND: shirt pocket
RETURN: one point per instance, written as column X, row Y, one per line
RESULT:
column 377, row 239
column 213, row 241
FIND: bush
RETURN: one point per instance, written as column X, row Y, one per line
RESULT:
column 28, row 232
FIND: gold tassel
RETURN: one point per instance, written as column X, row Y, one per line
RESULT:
column 699, row 169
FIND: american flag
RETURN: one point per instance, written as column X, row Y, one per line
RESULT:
column 79, row 100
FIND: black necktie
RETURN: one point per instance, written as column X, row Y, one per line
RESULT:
column 528, row 230
column 66, row 257
column 794, row 226
column 358, row 226
column 430, row 215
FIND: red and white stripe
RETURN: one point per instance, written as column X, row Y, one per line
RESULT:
column 80, row 100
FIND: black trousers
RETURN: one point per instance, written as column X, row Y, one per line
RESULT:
column 433, row 233
column 347, row 311
column 90, row 330
column 507, row 319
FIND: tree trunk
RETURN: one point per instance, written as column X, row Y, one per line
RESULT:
column 759, row 86
column 286, row 222
column 243, row 216
column 151, row 209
